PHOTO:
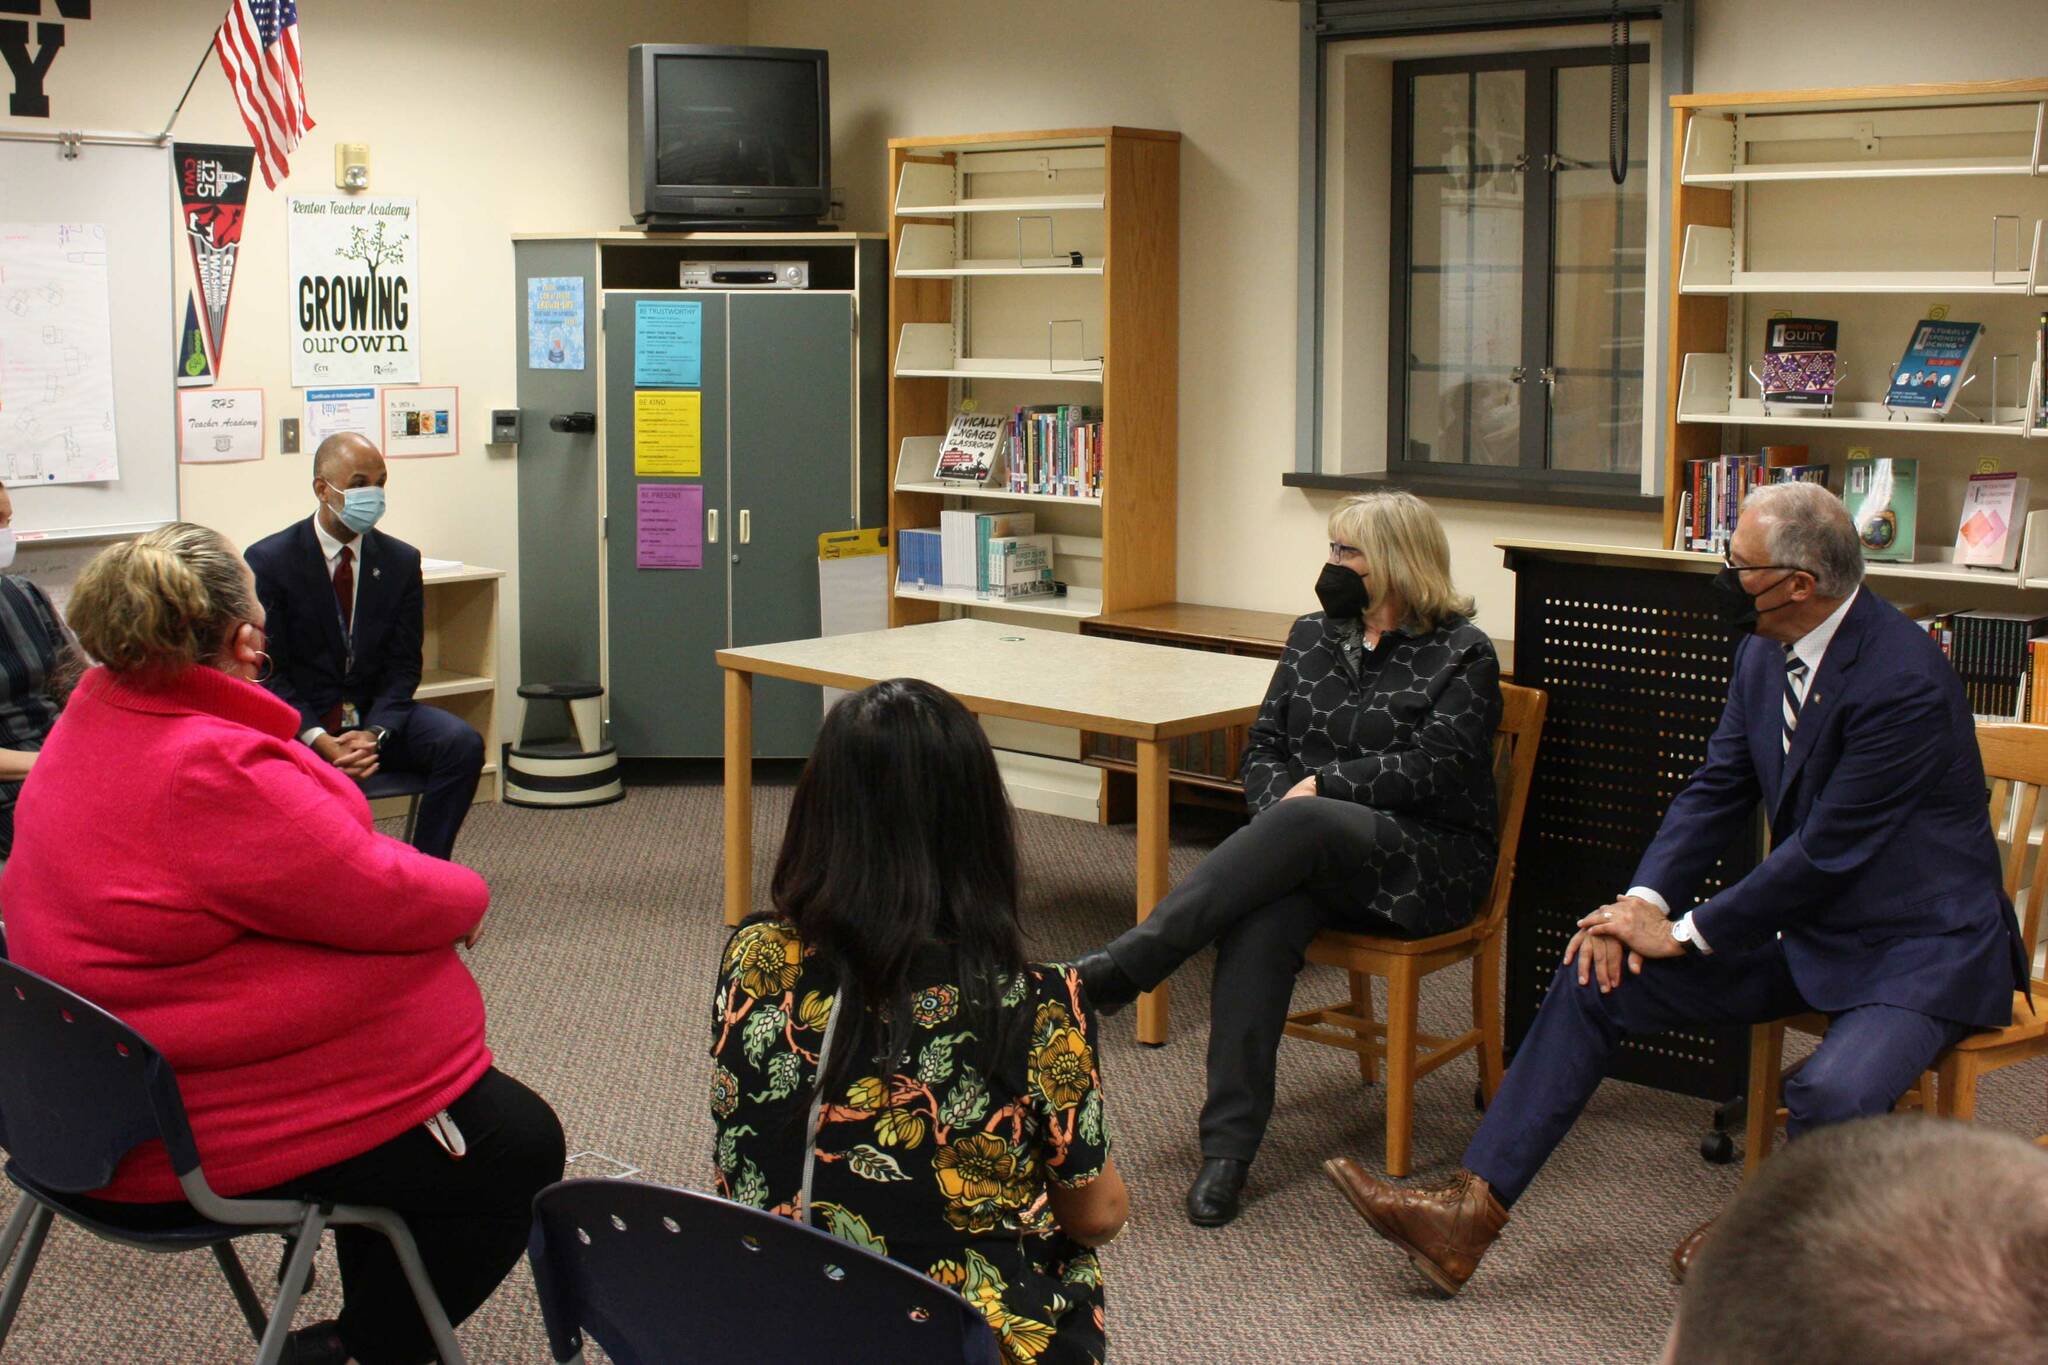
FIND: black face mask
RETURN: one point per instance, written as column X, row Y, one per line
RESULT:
column 1343, row 593
column 1735, row 605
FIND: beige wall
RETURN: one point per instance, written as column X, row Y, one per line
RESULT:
column 498, row 117
column 509, row 116
column 1222, row 72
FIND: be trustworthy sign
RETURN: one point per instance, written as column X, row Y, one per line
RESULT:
column 30, row 48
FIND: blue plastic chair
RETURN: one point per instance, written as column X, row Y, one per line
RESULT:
column 79, row 1090
column 408, row 787
column 655, row 1274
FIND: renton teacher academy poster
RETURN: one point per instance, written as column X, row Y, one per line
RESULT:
column 355, row 291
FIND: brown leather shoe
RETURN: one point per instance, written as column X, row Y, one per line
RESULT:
column 1688, row 1251
column 1444, row 1227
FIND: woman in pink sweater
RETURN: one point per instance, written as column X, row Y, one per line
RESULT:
column 183, row 862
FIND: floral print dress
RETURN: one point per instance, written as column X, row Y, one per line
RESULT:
column 942, row 1158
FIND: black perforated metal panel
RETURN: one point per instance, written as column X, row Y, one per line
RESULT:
column 1637, row 671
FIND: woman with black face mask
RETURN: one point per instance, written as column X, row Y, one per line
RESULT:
column 1369, row 776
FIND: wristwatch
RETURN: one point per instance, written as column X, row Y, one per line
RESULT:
column 1681, row 934
column 377, row 732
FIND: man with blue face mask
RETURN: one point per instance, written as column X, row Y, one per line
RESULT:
column 345, row 626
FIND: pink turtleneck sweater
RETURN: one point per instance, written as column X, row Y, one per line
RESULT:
column 184, row 863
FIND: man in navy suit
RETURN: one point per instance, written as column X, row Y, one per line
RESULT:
column 1880, row 904
column 345, row 624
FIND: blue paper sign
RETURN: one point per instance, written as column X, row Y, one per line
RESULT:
column 554, row 322
column 668, row 344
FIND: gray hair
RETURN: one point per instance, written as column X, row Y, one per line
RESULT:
column 1807, row 527
column 1915, row 1241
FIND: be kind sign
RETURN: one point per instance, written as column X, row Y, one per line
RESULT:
column 355, row 291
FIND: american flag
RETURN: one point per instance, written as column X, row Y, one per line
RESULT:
column 258, row 45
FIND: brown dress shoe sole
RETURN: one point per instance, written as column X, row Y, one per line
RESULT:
column 1430, row 1269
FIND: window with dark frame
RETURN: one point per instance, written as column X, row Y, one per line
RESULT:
column 1519, row 271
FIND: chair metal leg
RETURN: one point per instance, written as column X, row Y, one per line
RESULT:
column 296, row 1273
column 412, row 816
column 238, row 1285
column 400, row 1237
column 29, row 1225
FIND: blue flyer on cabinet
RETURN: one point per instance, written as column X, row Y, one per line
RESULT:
column 1931, row 373
column 554, row 322
column 668, row 344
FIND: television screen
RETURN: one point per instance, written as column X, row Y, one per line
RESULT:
column 729, row 120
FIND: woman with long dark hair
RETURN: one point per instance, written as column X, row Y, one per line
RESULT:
column 886, row 1065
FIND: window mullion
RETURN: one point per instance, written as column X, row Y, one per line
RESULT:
column 1539, row 87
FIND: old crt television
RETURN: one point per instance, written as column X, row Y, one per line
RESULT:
column 732, row 137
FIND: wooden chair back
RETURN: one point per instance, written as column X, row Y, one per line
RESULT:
column 2016, row 762
column 1514, row 767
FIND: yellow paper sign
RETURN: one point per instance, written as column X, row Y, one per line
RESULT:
column 668, row 433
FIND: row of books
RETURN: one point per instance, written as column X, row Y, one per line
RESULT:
column 1711, row 498
column 1803, row 366
column 1050, row 449
column 996, row 555
column 2002, row 658
column 1882, row 495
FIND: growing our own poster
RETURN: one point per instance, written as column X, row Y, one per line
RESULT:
column 355, row 291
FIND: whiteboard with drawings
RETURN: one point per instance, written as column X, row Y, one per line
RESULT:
column 88, row 339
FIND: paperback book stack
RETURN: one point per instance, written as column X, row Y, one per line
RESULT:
column 1056, row 450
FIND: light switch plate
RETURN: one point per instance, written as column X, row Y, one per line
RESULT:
column 288, row 435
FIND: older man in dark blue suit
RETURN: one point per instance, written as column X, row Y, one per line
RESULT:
column 1880, row 904
column 345, row 623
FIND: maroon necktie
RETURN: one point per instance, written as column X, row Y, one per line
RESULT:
column 345, row 588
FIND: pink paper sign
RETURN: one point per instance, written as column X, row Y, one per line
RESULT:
column 671, row 526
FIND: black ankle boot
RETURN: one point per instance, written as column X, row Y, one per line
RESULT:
column 1103, row 983
column 1218, row 1191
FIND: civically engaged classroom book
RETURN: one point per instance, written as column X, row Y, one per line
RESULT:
column 1931, row 373
column 1799, row 360
column 1882, row 496
column 1993, row 518
column 973, row 444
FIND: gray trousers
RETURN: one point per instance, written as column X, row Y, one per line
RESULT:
column 1302, row 866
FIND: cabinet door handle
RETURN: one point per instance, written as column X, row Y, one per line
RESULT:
column 746, row 527
column 711, row 526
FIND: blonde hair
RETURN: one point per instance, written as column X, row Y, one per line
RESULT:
column 1405, row 552
column 161, row 602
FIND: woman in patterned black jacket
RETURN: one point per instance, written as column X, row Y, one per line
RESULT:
column 1369, row 776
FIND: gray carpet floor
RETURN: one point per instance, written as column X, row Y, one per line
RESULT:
column 605, row 927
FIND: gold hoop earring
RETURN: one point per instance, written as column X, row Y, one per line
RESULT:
column 268, row 670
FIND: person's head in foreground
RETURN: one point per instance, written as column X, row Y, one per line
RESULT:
column 900, row 837
column 151, row 607
column 1906, row 1240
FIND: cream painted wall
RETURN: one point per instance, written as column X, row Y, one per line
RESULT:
column 1222, row 72
column 498, row 117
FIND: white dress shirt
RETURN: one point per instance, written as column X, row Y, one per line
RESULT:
column 1808, row 648
column 332, row 548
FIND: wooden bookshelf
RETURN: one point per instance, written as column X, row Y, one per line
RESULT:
column 983, row 305
column 1877, row 207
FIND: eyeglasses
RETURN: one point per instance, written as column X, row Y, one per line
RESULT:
column 1728, row 558
column 1339, row 550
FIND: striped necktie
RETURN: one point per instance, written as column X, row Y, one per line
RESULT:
column 1795, row 693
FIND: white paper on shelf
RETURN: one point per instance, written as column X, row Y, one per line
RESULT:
column 438, row 565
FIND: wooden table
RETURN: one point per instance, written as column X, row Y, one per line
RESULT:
column 1145, row 693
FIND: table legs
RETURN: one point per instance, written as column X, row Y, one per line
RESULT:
column 739, row 795
column 1152, row 827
